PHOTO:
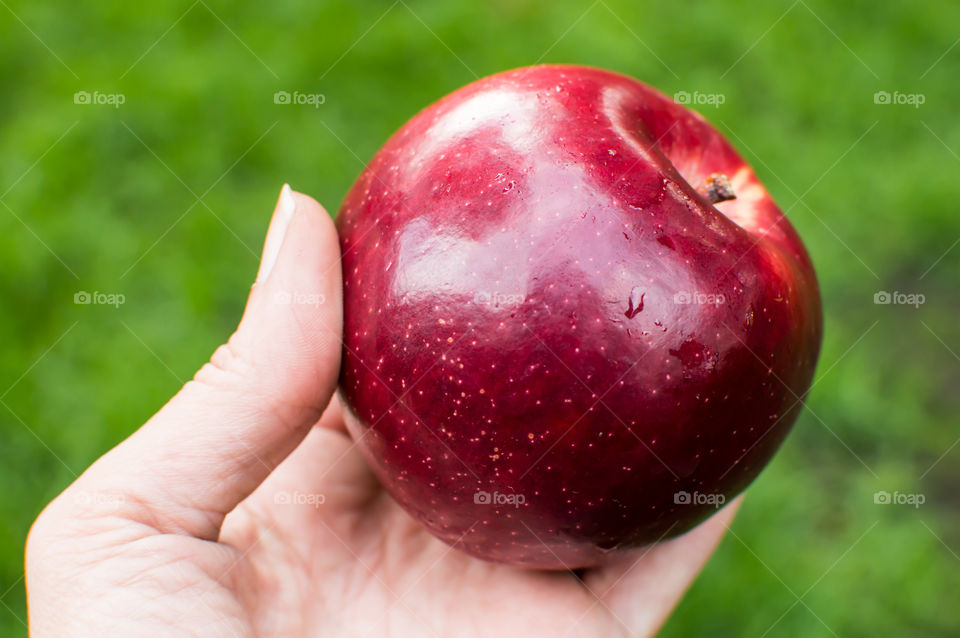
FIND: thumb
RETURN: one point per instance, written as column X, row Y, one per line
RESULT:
column 247, row 409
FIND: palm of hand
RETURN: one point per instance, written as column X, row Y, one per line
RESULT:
column 358, row 565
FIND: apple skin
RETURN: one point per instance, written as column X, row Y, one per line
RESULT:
column 539, row 304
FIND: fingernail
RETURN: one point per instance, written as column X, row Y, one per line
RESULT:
column 286, row 206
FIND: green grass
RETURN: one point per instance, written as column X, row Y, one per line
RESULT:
column 105, row 199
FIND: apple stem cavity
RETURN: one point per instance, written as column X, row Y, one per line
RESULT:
column 717, row 189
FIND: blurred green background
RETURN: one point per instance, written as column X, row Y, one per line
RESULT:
column 165, row 199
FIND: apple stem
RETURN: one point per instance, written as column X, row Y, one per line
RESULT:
column 717, row 188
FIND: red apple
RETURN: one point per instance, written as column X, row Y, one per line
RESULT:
column 563, row 339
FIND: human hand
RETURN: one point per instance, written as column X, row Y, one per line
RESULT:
column 242, row 508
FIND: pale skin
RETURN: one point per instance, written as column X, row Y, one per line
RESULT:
column 208, row 520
